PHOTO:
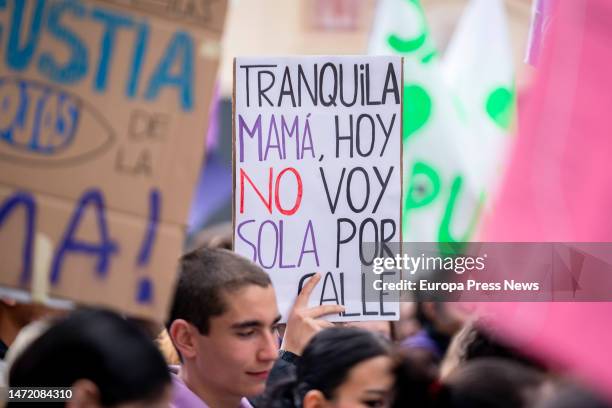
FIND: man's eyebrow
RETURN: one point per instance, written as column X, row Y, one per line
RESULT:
column 248, row 324
column 377, row 392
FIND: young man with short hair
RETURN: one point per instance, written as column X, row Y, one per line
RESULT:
column 223, row 324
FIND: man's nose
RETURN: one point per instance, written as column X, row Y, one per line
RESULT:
column 269, row 348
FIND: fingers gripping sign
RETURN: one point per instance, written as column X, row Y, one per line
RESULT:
column 304, row 322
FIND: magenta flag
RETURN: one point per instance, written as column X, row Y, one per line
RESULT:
column 558, row 187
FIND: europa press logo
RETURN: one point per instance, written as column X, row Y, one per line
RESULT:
column 39, row 125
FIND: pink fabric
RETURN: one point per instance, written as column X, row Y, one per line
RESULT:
column 559, row 183
column 558, row 187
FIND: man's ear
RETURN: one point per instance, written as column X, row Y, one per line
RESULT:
column 183, row 335
column 85, row 394
column 314, row 399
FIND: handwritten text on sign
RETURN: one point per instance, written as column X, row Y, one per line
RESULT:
column 318, row 172
column 102, row 109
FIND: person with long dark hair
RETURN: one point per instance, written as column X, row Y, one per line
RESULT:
column 106, row 360
column 340, row 367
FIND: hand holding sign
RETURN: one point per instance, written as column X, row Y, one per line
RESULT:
column 304, row 322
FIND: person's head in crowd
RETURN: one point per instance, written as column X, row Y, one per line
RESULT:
column 564, row 394
column 223, row 324
column 14, row 316
column 383, row 328
column 108, row 362
column 479, row 340
column 416, row 377
column 340, row 367
column 407, row 325
column 490, row 383
column 439, row 321
column 216, row 236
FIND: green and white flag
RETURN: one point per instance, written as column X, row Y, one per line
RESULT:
column 478, row 70
column 452, row 148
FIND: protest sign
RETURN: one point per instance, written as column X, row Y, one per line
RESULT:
column 317, row 172
column 103, row 116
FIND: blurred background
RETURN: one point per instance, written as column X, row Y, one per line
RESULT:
column 277, row 27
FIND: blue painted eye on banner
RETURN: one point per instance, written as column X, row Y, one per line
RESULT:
column 36, row 118
column 39, row 125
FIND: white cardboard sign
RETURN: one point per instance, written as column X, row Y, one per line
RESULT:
column 317, row 172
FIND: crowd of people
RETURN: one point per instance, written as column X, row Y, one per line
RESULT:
column 223, row 347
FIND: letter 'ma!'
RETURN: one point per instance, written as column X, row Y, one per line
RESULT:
column 25, row 200
column 103, row 250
